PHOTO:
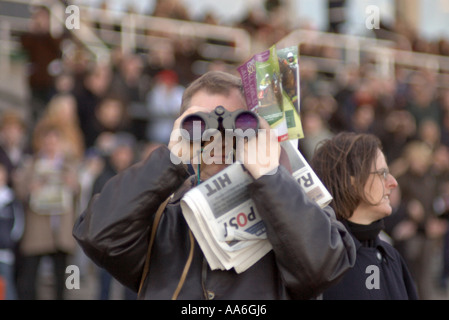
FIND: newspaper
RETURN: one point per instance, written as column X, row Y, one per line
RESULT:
column 225, row 220
column 305, row 175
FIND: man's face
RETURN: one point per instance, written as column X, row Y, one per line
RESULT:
column 208, row 102
column 259, row 153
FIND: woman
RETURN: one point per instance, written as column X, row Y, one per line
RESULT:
column 62, row 110
column 48, row 186
column 354, row 169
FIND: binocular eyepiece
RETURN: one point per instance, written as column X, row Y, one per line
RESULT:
column 219, row 119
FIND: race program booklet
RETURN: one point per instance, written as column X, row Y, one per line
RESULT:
column 272, row 90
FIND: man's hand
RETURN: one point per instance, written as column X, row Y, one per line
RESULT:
column 181, row 147
column 261, row 153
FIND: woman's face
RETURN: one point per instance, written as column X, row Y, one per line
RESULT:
column 377, row 189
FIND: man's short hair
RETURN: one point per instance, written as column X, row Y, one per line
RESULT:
column 213, row 82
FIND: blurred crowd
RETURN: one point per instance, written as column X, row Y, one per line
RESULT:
column 87, row 121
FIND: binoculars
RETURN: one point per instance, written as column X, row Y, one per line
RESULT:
column 219, row 119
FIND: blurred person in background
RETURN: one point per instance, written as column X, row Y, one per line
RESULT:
column 440, row 172
column 13, row 141
column 429, row 132
column 346, row 83
column 11, row 231
column 418, row 187
column 422, row 100
column 44, row 54
column 186, row 53
column 110, row 117
column 90, row 167
column 62, row 109
column 336, row 15
column 94, row 87
column 120, row 156
column 173, row 9
column 399, row 129
column 354, row 170
column 445, row 271
column 363, row 119
column 48, row 186
column 316, row 128
column 444, row 103
column 163, row 102
column 159, row 58
column 132, row 84
column 397, row 227
column 64, row 83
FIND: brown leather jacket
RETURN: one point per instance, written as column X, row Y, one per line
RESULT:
column 311, row 249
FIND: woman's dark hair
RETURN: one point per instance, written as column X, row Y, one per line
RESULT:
column 344, row 164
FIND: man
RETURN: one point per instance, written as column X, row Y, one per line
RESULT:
column 311, row 250
column 43, row 51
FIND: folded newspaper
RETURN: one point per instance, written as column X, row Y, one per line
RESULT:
column 225, row 221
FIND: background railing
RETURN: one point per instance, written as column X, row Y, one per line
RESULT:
column 354, row 50
column 103, row 29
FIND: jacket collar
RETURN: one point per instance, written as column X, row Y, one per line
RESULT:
column 375, row 243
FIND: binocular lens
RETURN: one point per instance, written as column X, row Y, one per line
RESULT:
column 195, row 125
column 246, row 121
column 190, row 123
